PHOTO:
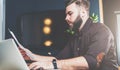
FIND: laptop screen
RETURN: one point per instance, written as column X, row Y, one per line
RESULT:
column 10, row 56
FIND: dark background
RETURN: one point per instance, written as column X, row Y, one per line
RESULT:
column 21, row 14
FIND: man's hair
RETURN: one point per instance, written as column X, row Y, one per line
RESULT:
column 84, row 3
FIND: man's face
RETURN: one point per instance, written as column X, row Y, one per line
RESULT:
column 72, row 14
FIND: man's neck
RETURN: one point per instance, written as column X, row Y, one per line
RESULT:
column 83, row 23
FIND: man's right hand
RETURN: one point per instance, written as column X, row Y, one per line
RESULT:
column 28, row 55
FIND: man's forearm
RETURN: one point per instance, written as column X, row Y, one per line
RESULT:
column 78, row 63
column 42, row 58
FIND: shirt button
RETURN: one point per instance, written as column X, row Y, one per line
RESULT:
column 78, row 49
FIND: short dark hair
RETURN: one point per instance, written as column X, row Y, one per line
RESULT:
column 84, row 3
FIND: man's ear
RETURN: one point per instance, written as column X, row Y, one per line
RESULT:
column 82, row 12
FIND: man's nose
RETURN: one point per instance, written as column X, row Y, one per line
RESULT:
column 66, row 18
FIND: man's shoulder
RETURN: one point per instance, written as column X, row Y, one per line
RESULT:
column 100, row 27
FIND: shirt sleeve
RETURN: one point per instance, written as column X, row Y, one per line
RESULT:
column 100, row 43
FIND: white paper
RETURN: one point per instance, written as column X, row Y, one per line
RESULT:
column 21, row 46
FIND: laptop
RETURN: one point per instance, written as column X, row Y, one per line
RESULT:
column 10, row 56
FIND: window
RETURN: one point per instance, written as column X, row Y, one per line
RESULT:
column 118, row 35
column 2, row 20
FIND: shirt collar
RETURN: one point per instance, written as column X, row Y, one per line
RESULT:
column 85, row 27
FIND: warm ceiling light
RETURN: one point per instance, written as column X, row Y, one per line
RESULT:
column 46, row 30
column 47, row 21
column 48, row 43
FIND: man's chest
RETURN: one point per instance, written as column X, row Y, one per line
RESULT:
column 81, row 43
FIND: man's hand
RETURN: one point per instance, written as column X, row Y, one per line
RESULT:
column 41, row 65
column 27, row 54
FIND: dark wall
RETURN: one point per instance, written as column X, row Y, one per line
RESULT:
column 32, row 25
column 16, row 8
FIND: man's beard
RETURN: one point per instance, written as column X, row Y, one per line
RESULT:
column 77, row 24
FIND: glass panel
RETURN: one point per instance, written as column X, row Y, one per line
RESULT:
column 118, row 37
column 2, row 19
